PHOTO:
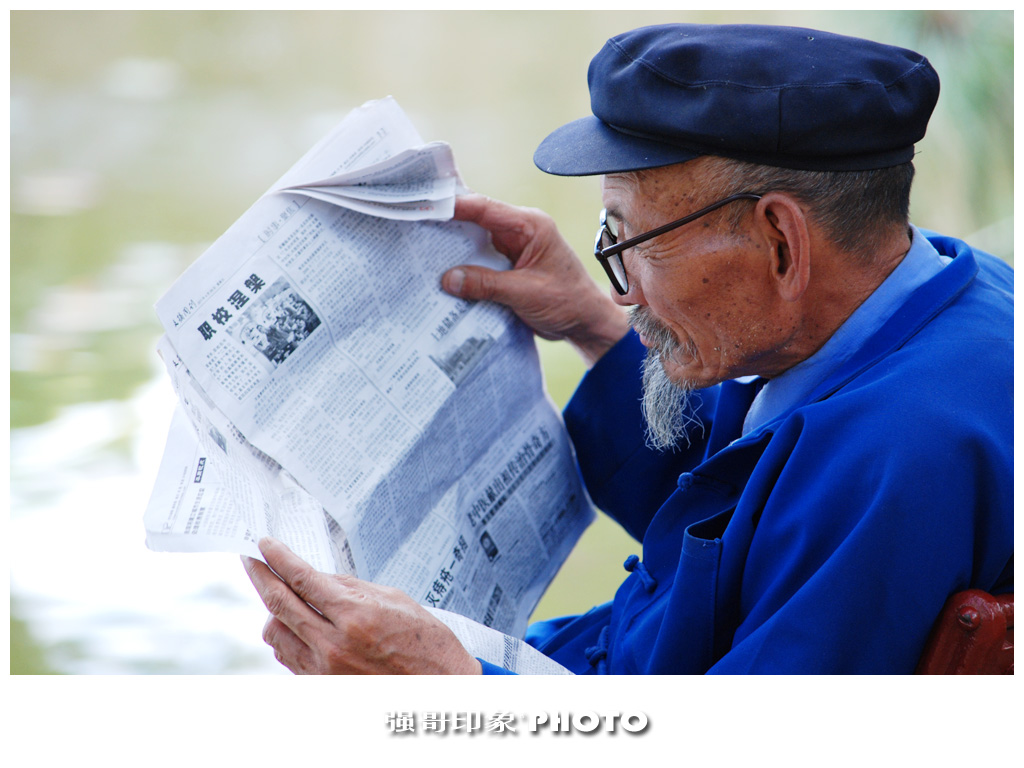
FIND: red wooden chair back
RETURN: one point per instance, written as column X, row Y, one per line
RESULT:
column 972, row 636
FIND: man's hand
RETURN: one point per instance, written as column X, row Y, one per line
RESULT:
column 325, row 624
column 548, row 287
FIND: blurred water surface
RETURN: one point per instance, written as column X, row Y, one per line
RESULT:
column 138, row 137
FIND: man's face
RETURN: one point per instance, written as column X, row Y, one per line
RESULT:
column 702, row 292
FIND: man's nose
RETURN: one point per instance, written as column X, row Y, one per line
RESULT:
column 634, row 294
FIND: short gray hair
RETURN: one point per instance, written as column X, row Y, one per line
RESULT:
column 856, row 209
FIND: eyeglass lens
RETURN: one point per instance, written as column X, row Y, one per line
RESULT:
column 612, row 264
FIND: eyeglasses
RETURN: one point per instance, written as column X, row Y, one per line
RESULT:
column 608, row 249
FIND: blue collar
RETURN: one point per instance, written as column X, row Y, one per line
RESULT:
column 795, row 386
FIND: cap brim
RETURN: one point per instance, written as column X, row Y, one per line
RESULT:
column 591, row 147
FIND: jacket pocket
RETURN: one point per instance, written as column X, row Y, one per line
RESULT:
column 674, row 631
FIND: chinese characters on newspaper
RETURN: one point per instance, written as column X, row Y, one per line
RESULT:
column 331, row 395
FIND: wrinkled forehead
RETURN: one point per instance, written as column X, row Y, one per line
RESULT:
column 668, row 185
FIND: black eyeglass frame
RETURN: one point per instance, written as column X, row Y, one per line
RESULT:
column 604, row 255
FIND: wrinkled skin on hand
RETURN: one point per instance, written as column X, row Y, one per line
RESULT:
column 325, row 624
column 548, row 287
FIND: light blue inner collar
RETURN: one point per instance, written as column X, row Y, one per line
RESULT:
column 790, row 389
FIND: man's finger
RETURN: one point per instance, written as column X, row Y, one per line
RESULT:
column 511, row 227
column 473, row 208
column 289, row 650
column 283, row 603
column 304, row 580
column 483, row 284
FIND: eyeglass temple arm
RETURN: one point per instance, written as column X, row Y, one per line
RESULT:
column 620, row 247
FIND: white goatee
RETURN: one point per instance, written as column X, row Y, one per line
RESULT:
column 665, row 404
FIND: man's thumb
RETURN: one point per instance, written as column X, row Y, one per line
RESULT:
column 474, row 283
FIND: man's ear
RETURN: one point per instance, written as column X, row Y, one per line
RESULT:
column 783, row 224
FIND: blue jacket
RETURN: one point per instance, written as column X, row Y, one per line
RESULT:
column 827, row 540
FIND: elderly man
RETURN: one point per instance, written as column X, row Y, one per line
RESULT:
column 809, row 426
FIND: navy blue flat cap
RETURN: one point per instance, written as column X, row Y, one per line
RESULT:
column 780, row 96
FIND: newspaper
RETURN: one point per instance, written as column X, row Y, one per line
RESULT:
column 331, row 395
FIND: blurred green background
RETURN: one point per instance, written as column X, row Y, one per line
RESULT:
column 138, row 137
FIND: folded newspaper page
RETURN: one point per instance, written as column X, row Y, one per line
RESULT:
column 331, row 395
